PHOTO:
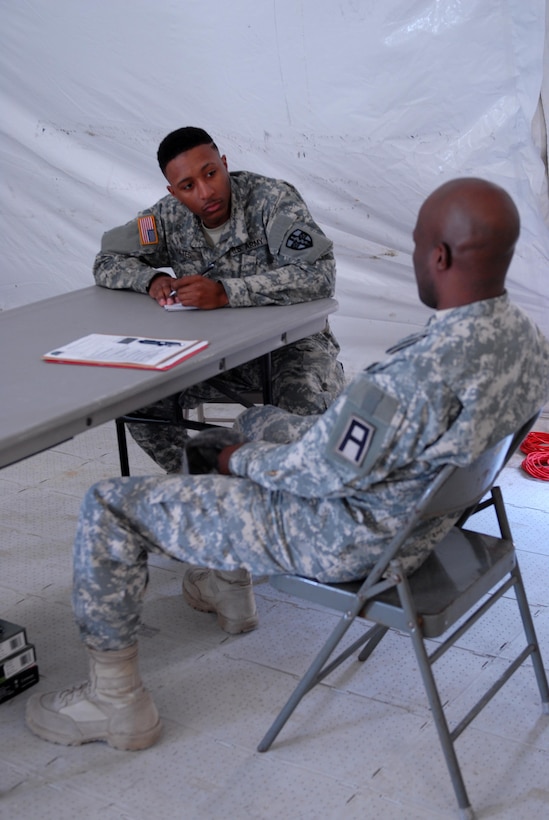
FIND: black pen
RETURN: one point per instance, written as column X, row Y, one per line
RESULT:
column 159, row 343
column 202, row 273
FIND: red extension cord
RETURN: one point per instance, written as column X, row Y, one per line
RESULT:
column 536, row 463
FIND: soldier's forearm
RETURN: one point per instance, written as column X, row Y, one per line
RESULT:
column 123, row 273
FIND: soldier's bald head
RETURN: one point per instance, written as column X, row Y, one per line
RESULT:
column 474, row 216
column 471, row 227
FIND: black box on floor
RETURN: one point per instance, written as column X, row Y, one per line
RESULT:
column 17, row 663
column 19, row 682
column 12, row 638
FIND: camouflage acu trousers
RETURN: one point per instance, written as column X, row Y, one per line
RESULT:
column 218, row 521
column 306, row 378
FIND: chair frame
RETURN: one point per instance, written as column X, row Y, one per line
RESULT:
column 413, row 605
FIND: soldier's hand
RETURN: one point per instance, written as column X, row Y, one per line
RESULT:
column 223, row 458
column 199, row 292
column 202, row 451
column 160, row 289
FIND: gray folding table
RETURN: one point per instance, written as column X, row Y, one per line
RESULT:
column 44, row 403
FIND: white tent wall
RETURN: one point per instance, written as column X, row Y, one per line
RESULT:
column 365, row 105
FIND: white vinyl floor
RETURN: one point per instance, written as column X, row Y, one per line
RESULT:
column 361, row 745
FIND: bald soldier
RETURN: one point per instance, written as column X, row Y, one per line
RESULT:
column 319, row 497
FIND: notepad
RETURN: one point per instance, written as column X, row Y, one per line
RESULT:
column 179, row 306
column 141, row 352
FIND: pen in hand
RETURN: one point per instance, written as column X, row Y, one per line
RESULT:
column 206, row 270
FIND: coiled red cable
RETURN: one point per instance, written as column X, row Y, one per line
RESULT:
column 536, row 463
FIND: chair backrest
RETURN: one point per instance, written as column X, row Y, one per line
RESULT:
column 453, row 491
column 465, row 486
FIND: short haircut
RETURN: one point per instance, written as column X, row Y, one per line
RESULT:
column 177, row 142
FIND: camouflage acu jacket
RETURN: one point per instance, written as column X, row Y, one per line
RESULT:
column 474, row 375
column 272, row 251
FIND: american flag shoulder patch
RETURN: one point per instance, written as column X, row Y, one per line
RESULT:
column 148, row 234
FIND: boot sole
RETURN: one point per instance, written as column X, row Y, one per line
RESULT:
column 123, row 743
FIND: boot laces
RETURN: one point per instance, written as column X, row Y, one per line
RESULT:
column 75, row 693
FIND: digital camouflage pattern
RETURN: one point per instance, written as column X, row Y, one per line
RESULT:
column 256, row 258
column 271, row 253
column 325, row 504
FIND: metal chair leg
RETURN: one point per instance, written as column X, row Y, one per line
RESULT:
column 266, row 376
column 531, row 639
column 122, row 447
column 377, row 635
column 308, row 680
column 435, row 703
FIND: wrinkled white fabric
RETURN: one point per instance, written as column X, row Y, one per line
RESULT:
column 364, row 107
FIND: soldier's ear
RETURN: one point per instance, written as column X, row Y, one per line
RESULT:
column 442, row 256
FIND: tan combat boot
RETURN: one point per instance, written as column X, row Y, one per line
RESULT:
column 229, row 594
column 112, row 706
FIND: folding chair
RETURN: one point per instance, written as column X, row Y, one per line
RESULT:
column 458, row 577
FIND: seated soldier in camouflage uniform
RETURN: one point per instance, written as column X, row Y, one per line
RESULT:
column 236, row 239
column 325, row 501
